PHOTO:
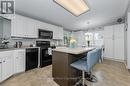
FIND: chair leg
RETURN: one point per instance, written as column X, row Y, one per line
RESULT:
column 83, row 79
column 91, row 77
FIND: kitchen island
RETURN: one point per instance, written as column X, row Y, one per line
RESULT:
column 62, row 57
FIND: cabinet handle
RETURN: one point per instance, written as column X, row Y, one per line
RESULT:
column 3, row 61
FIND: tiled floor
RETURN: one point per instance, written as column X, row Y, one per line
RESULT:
column 110, row 73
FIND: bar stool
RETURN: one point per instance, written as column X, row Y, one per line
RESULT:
column 92, row 59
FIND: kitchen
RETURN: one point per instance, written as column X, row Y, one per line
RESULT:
column 27, row 47
column 39, row 48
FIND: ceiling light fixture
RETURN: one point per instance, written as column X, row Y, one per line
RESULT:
column 76, row 7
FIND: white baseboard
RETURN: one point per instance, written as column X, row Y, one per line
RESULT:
column 126, row 66
column 114, row 59
column 118, row 61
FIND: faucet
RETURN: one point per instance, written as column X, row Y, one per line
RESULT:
column 4, row 43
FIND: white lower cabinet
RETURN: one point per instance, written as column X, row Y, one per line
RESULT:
column 11, row 62
column 6, row 64
column 7, row 67
column 19, row 61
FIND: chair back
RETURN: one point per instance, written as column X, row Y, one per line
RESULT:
column 92, row 59
column 99, row 50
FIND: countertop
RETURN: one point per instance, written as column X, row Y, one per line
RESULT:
column 24, row 47
column 77, row 50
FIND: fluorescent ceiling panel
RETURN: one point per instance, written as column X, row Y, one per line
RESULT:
column 76, row 7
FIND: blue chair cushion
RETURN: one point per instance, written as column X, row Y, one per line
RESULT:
column 80, row 65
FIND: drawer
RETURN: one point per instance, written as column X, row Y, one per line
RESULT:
column 6, row 53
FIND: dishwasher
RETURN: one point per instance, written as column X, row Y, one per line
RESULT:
column 31, row 58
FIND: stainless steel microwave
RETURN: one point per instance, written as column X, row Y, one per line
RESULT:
column 45, row 34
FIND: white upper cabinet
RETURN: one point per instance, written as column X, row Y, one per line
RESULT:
column 23, row 27
column 61, row 34
column 17, row 26
column 58, row 33
column 27, row 27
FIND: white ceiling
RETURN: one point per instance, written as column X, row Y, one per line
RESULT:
column 102, row 12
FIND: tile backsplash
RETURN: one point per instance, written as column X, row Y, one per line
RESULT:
column 28, row 42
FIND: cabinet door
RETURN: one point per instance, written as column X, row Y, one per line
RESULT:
column 61, row 34
column 19, row 61
column 24, row 27
column 119, row 42
column 39, row 25
column 7, row 67
column 13, row 28
column 6, row 28
column 0, row 70
column 108, row 42
column 32, row 30
column 55, row 33
column 29, row 27
column 108, row 32
column 108, row 48
column 17, row 27
column 58, row 33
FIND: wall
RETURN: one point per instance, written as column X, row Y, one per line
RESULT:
column 127, row 59
column 128, row 9
column 128, row 42
column 6, row 28
column 28, row 42
column 80, row 36
column 125, row 44
column 100, row 42
column 1, row 28
column 67, row 35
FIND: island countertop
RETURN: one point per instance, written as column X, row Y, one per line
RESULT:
column 76, row 51
column 62, row 57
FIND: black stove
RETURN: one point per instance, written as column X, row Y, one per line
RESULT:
column 45, row 56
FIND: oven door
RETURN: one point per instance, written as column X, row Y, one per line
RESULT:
column 44, row 34
column 45, row 58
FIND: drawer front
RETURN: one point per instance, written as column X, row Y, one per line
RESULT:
column 6, row 53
